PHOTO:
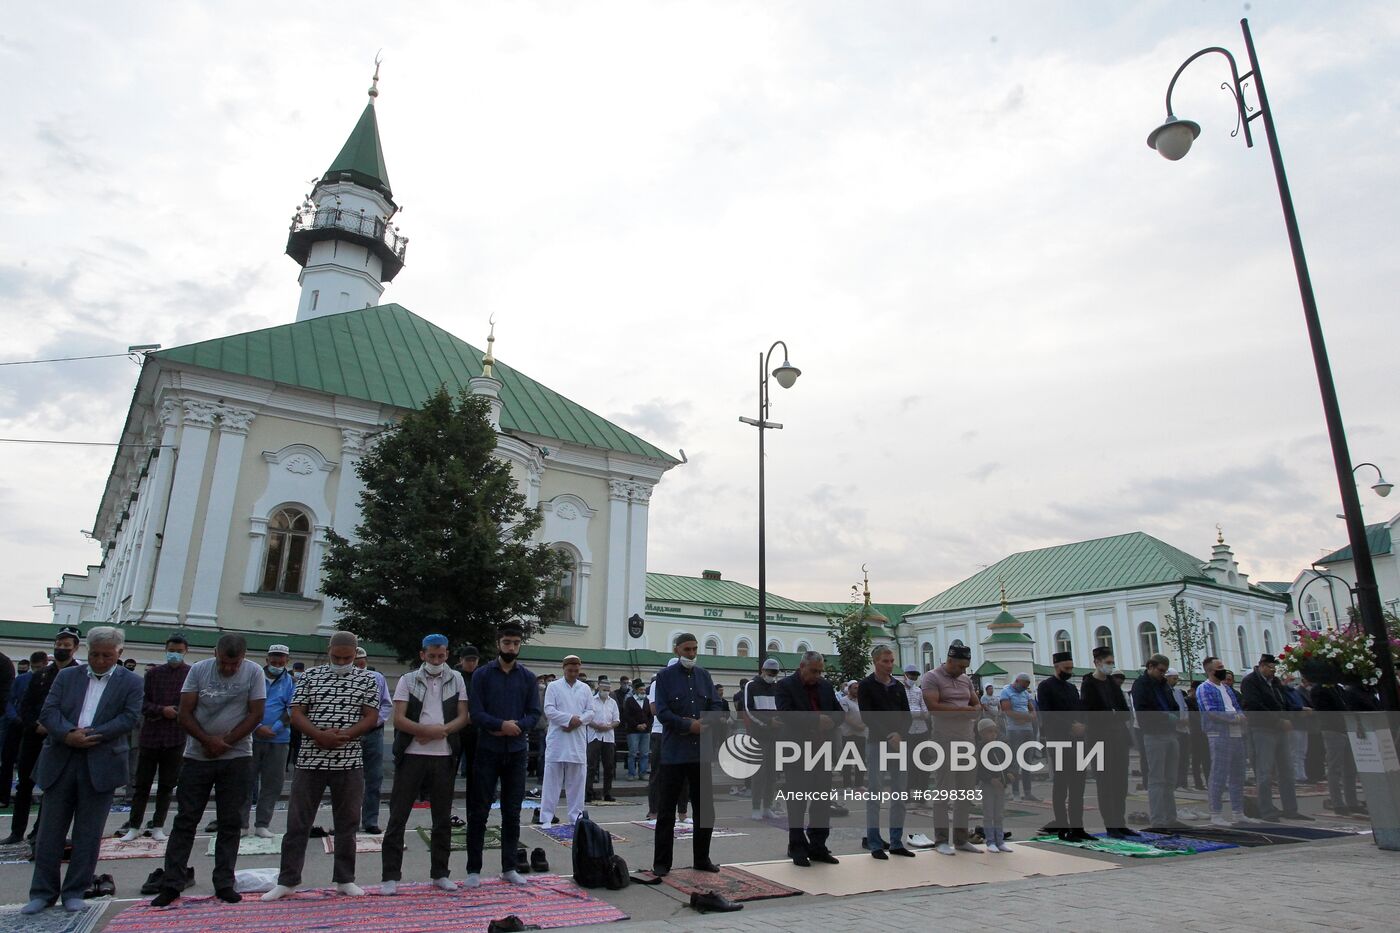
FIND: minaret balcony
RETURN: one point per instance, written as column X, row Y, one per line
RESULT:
column 311, row 225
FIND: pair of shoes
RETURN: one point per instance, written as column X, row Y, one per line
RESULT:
column 228, row 895
column 712, row 902
column 522, row 860
column 707, row 865
column 799, row 858
column 920, row 841
column 510, row 924
column 539, row 862
column 900, row 850
column 458, row 822
column 373, row 830
column 824, row 856
column 262, row 832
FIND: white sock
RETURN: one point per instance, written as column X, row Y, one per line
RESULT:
column 279, row 892
column 158, row 834
column 514, row 877
column 444, row 884
column 350, row 889
column 130, row 835
column 473, row 880
column 388, row 887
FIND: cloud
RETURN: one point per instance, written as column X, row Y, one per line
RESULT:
column 657, row 420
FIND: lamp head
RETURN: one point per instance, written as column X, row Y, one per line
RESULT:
column 1383, row 488
column 786, row 374
column 1173, row 138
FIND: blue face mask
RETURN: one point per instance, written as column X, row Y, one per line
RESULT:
column 174, row 657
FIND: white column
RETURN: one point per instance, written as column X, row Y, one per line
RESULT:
column 615, row 601
column 162, row 472
column 178, row 537
column 218, row 514
column 636, row 560
column 1083, row 639
column 353, row 445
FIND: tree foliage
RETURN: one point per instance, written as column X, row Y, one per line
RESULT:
column 851, row 635
column 1186, row 631
column 445, row 539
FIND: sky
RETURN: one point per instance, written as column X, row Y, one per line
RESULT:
column 1017, row 325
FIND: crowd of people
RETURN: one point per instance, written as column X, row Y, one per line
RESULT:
column 230, row 730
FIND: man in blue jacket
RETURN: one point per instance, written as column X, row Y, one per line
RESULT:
column 684, row 692
column 88, row 715
column 271, row 741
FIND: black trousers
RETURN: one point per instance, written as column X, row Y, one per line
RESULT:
column 677, row 780
column 230, row 781
column 1111, row 780
column 809, row 821
column 411, row 772
column 1200, row 757
column 468, row 766
column 166, row 762
column 1183, row 758
column 1067, row 795
column 604, row 753
column 9, row 753
column 30, row 744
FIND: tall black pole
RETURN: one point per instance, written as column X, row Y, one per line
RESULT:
column 1368, row 596
column 762, row 540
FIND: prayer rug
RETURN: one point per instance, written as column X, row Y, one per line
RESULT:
column 53, row 920
column 1293, row 831
column 564, row 833
column 734, row 883
column 363, row 843
column 549, row 901
column 141, row 847
column 1143, row 847
column 254, row 845
column 684, row 831
column 16, row 854
column 459, row 838
column 1189, row 844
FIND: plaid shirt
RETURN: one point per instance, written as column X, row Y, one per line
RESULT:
column 163, row 685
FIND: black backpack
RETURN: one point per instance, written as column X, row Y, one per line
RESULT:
column 593, row 854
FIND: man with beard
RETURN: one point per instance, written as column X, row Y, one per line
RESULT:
column 812, row 718
column 1062, row 720
column 1108, row 719
column 65, row 649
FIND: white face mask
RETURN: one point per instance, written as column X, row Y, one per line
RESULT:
column 770, row 678
column 687, row 663
column 1105, row 669
column 433, row 670
column 342, row 669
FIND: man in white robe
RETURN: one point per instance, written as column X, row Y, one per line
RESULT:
column 568, row 707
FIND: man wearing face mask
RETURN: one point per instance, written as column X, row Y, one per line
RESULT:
column 1107, row 715
column 430, row 711
column 683, row 693
column 636, row 722
column 759, row 704
column 332, row 706
column 162, row 741
column 1062, row 720
column 65, row 649
column 952, row 699
column 271, row 741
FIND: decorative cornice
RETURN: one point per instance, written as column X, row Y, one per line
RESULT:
column 235, row 420
column 199, row 414
column 624, row 491
column 355, row 442
column 169, row 413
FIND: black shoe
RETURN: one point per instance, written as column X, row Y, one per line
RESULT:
column 373, row 830
column 317, row 832
column 213, row 827
column 712, row 902
column 228, row 895
column 511, row 924
column 1079, row 835
column 900, row 850
column 610, row 800
column 707, row 865
column 539, row 862
column 879, row 854
column 105, row 886
column 458, row 822
column 153, row 880
column 640, row 877
column 661, row 871
column 12, row 839
column 522, row 861
column 824, row 856
column 165, row 898
column 799, row 858
column 535, row 820
column 554, row 821
column 189, row 878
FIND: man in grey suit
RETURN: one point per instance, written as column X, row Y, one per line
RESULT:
column 88, row 715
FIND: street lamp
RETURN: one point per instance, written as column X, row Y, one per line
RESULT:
column 1381, row 487
column 1173, row 140
column 786, row 375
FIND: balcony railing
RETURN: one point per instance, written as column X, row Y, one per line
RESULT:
column 356, row 222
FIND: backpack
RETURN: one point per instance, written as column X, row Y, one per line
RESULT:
column 592, row 854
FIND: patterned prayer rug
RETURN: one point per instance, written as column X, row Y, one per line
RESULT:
column 53, row 920
column 141, row 847
column 1125, row 847
column 459, row 838
column 684, row 831
column 734, row 883
column 1188, row 844
column 254, row 845
column 364, row 842
column 564, row 833
column 549, row 901
column 16, row 854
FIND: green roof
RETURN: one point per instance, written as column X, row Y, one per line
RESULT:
column 1006, row 638
column 1377, row 538
column 895, row 612
column 390, row 355
column 362, row 157
column 666, row 587
column 1103, row 564
column 989, row 669
column 1276, row 586
column 154, row 635
column 546, row 658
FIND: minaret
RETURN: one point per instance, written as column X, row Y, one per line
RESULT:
column 487, row 384
column 1223, row 568
column 1008, row 645
column 343, row 234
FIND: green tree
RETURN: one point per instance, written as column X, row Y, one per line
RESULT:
column 852, row 638
column 444, row 543
column 1185, row 630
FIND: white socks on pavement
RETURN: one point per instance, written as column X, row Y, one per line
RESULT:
column 350, row 889
column 279, row 892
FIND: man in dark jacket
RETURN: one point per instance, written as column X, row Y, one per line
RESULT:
column 1157, row 715
column 1263, row 698
column 684, row 693
column 1062, row 720
column 1107, row 720
column 756, row 703
column 884, row 708
column 813, row 716
column 636, row 725
column 65, row 650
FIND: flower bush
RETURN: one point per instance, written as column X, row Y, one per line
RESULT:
column 1348, row 650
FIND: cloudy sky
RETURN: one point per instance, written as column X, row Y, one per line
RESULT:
column 1018, row 326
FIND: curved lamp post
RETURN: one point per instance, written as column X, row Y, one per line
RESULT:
column 1173, row 140
column 786, row 375
column 1381, row 487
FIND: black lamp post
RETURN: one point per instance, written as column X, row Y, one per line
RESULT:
column 1173, row 140
column 786, row 375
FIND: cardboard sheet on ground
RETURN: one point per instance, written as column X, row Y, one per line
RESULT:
column 253, row 845
column 860, row 874
column 141, row 847
column 363, row 843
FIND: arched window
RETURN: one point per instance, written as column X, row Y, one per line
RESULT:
column 565, row 587
column 1268, row 642
column 1313, row 611
column 1103, row 638
column 803, row 646
column 743, row 649
column 774, row 645
column 288, row 540
column 1212, row 639
column 927, row 653
column 1148, row 644
column 1244, row 646
column 1063, row 642
column 712, row 646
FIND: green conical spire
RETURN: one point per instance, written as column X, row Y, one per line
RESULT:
column 362, row 157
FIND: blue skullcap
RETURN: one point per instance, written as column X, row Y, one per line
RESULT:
column 434, row 641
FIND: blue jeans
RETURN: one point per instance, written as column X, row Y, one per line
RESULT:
column 372, row 746
column 490, row 766
column 895, row 781
column 638, row 753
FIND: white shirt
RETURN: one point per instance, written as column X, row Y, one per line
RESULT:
column 431, row 714
column 96, row 686
column 656, row 726
column 919, row 725
column 562, row 702
column 604, row 712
